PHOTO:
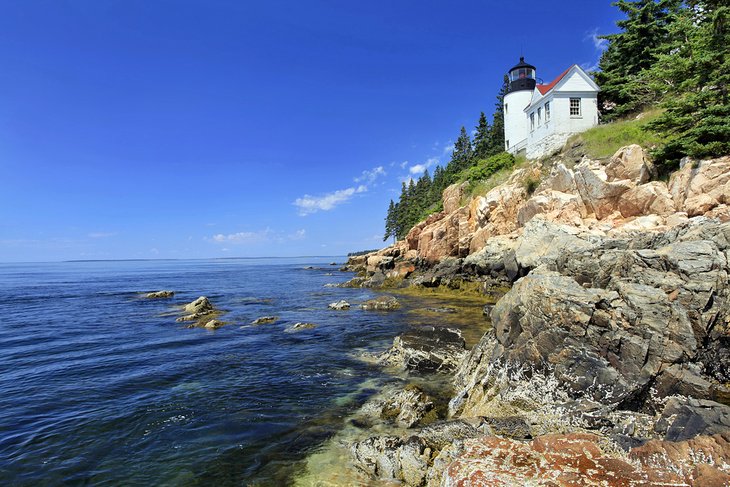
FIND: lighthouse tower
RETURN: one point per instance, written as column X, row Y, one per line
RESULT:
column 519, row 94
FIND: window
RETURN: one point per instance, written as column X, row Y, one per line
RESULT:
column 575, row 107
column 506, row 143
column 532, row 121
column 539, row 116
column 505, row 108
column 547, row 112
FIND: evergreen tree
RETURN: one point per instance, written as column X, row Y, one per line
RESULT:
column 462, row 155
column 438, row 184
column 390, row 223
column 695, row 77
column 401, row 210
column 496, row 132
column 482, row 138
column 630, row 53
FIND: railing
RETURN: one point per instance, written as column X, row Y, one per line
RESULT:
column 514, row 149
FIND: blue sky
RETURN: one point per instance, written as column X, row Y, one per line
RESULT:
column 188, row 129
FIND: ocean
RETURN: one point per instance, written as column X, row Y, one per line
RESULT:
column 101, row 386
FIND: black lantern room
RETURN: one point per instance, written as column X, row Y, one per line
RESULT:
column 522, row 77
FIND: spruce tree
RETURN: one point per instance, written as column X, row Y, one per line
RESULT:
column 496, row 131
column 482, row 138
column 630, row 53
column 401, row 212
column 695, row 74
column 462, row 155
column 390, row 222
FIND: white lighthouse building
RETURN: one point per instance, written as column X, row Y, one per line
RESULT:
column 539, row 118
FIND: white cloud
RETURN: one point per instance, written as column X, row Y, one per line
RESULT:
column 419, row 168
column 598, row 43
column 308, row 204
column 448, row 148
column 371, row 175
column 101, row 234
column 266, row 235
column 242, row 237
column 403, row 164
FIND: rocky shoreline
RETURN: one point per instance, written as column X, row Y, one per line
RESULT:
column 608, row 358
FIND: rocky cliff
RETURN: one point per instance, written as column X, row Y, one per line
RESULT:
column 608, row 362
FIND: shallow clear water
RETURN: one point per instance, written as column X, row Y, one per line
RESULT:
column 101, row 386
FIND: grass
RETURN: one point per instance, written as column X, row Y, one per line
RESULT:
column 480, row 188
column 604, row 140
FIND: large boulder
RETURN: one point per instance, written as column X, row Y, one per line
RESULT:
column 392, row 458
column 610, row 344
column 407, row 459
column 199, row 313
column 406, row 407
column 699, row 186
column 452, row 196
column 560, row 179
column 426, row 349
column 684, row 418
column 646, row 199
column 556, row 206
column 630, row 163
column 599, row 194
column 201, row 305
column 499, row 207
column 543, row 242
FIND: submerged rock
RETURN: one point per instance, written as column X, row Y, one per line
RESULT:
column 339, row 305
column 160, row 294
column 381, row 303
column 406, row 407
column 213, row 324
column 443, row 309
column 265, row 320
column 426, row 349
column 299, row 326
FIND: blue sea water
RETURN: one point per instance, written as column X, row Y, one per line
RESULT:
column 100, row 386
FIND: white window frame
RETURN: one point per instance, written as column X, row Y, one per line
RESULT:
column 539, row 116
column 547, row 111
column 570, row 108
column 505, row 108
column 532, row 122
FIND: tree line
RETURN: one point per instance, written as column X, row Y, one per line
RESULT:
column 421, row 197
column 673, row 54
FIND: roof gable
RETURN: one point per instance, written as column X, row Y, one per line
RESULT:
column 543, row 89
column 564, row 77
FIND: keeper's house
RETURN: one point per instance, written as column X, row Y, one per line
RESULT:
column 539, row 118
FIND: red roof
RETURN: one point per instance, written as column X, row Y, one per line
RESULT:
column 545, row 88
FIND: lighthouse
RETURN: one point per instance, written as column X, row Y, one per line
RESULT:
column 539, row 118
column 521, row 85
